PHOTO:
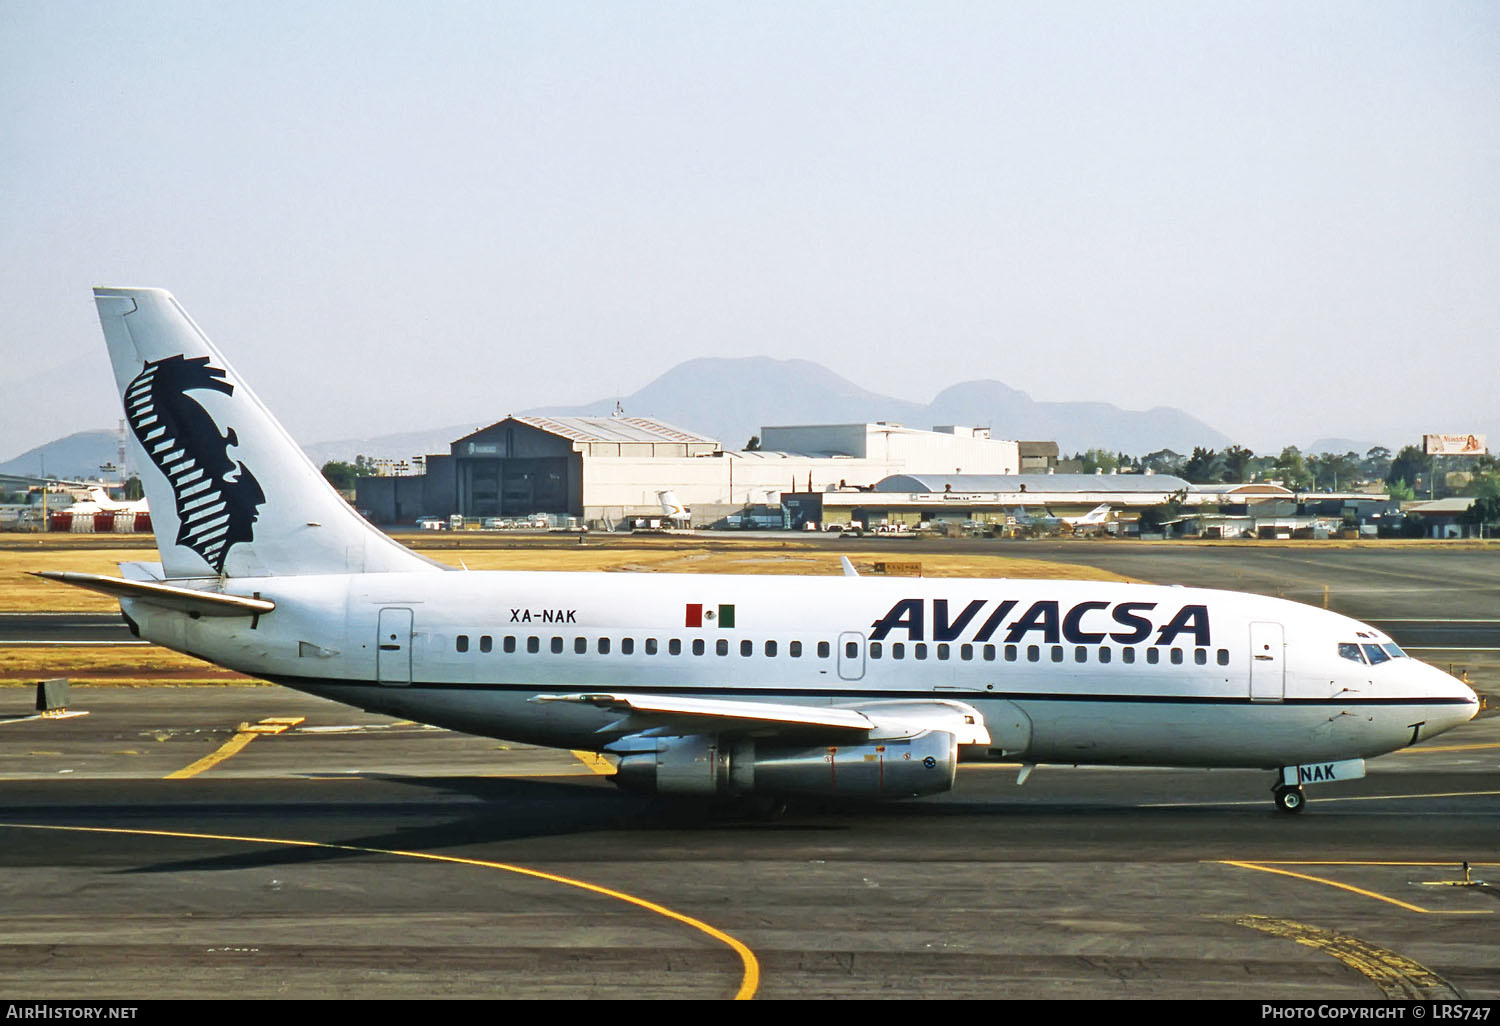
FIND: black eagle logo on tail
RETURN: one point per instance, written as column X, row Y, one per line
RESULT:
column 217, row 497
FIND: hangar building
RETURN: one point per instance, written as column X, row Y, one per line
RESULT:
column 605, row 469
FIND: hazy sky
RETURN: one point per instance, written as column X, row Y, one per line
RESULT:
column 1283, row 218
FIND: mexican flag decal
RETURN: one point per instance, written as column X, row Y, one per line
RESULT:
column 699, row 615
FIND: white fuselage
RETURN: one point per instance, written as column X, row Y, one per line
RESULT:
column 1062, row 671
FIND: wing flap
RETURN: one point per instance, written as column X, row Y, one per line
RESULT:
column 185, row 600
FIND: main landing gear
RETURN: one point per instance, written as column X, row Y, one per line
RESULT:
column 1288, row 799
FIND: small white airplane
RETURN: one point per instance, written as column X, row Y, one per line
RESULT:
column 1100, row 514
column 1096, row 517
column 97, row 500
column 757, row 686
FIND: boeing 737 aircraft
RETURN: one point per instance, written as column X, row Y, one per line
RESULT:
column 719, row 685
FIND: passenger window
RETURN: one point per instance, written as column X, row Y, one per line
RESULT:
column 463, row 642
column 1200, row 656
column 919, row 650
column 747, row 648
column 697, row 646
column 557, row 646
column 1057, row 653
column 1080, row 654
column 604, row 646
column 533, row 644
column 1349, row 650
column 651, row 646
column 1176, row 657
column 875, row 649
column 1223, row 657
column 823, row 650
column 1105, row 654
column 1127, row 654
column 722, row 646
column 851, row 650
column 794, row 649
column 1375, row 654
column 486, row 643
column 942, row 651
column 509, row 644
column 1153, row 656
column 1033, row 654
column 674, row 647
column 898, row 650
column 627, row 646
column 581, row 645
column 771, row 650
column 1010, row 653
column 989, row 653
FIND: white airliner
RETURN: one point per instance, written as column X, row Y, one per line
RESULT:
column 720, row 685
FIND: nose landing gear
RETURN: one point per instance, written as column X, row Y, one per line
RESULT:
column 1288, row 799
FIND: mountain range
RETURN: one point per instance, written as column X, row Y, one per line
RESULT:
column 730, row 399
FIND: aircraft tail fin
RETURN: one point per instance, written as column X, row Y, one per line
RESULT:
column 672, row 509
column 231, row 494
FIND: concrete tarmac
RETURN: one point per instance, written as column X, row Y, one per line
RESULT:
column 1082, row 883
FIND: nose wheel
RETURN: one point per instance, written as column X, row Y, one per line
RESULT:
column 1288, row 799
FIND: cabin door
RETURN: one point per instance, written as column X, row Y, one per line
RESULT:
column 393, row 647
column 1267, row 662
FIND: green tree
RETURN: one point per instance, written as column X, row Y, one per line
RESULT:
column 1376, row 465
column 1236, row 461
column 1098, row 459
column 1291, row 469
column 341, row 475
column 134, row 489
column 1153, row 518
column 1400, row 491
column 1202, row 466
column 1486, row 508
column 1162, row 461
column 1410, row 465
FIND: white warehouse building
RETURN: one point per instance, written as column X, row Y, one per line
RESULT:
column 606, row 469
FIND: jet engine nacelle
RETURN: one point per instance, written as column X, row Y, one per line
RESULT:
column 702, row 764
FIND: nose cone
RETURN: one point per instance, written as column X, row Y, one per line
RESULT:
column 1454, row 702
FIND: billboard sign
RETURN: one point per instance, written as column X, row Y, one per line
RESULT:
column 1453, row 445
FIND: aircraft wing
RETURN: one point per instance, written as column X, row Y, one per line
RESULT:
column 669, row 715
column 186, row 600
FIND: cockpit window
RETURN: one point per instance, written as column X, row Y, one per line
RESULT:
column 1394, row 649
column 1376, row 654
column 1349, row 650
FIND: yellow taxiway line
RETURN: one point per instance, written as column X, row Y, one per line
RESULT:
column 1272, row 868
column 749, row 980
column 246, row 733
column 596, row 763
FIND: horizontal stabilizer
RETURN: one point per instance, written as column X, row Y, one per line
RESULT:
column 186, row 600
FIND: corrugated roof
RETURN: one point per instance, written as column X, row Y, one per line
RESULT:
column 612, row 429
column 1033, row 482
